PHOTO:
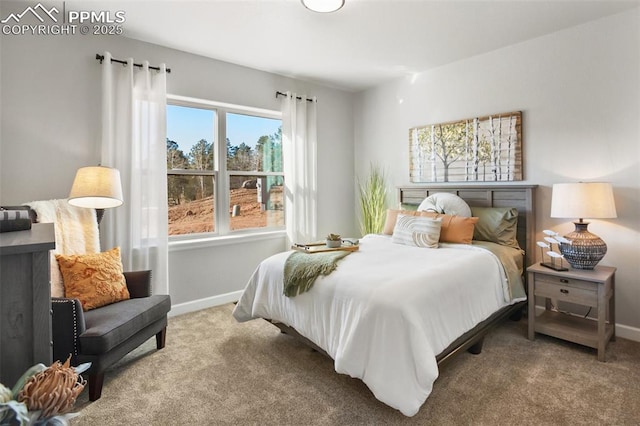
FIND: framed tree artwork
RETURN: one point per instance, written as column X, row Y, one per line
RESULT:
column 480, row 149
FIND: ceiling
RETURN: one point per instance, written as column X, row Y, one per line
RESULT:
column 365, row 43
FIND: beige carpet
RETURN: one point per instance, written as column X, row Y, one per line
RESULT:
column 215, row 371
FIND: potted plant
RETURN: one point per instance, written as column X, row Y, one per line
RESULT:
column 334, row 240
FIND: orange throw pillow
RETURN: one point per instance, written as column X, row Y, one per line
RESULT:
column 392, row 217
column 95, row 279
column 455, row 229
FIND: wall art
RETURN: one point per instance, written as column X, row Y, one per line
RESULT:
column 481, row 149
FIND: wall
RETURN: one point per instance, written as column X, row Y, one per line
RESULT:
column 579, row 91
column 50, row 126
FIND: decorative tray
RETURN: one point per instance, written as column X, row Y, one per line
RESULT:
column 321, row 247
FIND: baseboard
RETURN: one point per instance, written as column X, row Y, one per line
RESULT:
column 628, row 332
column 623, row 331
column 208, row 302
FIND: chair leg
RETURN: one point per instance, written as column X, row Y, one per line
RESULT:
column 161, row 338
column 95, row 386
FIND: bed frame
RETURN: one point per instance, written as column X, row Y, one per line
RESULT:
column 476, row 195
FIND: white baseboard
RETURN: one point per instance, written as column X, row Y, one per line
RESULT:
column 623, row 331
column 208, row 302
column 628, row 332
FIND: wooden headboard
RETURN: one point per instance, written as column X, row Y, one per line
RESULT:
column 521, row 197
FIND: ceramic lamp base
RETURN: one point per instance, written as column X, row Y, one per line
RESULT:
column 586, row 249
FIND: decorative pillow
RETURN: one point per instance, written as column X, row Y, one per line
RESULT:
column 392, row 216
column 445, row 203
column 416, row 231
column 497, row 225
column 95, row 279
column 455, row 229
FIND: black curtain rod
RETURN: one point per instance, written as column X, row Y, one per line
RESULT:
column 101, row 58
column 297, row 97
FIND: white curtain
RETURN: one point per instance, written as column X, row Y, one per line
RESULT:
column 299, row 143
column 134, row 142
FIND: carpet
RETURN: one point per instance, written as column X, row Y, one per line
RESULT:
column 215, row 371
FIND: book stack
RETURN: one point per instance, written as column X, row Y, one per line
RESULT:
column 14, row 220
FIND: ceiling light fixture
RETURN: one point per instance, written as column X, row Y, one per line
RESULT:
column 323, row 6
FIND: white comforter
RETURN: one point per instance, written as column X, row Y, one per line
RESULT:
column 387, row 310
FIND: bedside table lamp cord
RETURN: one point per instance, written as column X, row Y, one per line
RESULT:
column 554, row 307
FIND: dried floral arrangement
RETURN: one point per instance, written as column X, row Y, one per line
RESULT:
column 43, row 395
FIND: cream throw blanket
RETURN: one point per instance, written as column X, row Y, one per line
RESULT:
column 76, row 232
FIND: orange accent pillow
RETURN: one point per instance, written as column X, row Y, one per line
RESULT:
column 392, row 217
column 96, row 279
column 455, row 229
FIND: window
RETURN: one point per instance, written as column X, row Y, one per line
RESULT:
column 222, row 188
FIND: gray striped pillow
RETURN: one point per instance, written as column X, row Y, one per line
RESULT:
column 417, row 231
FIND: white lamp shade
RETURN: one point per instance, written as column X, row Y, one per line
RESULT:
column 590, row 200
column 323, row 5
column 96, row 187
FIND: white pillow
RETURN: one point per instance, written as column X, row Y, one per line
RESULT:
column 447, row 203
column 417, row 231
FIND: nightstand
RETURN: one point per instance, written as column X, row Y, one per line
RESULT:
column 594, row 288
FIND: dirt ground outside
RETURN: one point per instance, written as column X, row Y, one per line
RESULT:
column 197, row 216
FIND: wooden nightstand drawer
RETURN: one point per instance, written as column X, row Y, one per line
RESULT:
column 568, row 293
column 569, row 282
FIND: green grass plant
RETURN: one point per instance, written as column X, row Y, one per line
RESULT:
column 373, row 201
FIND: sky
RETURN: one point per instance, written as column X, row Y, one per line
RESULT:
column 187, row 126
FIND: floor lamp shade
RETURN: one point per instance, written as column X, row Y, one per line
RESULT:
column 96, row 187
column 590, row 200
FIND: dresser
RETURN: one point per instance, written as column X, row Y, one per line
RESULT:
column 25, row 300
column 593, row 288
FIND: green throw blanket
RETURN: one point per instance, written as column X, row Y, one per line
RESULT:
column 302, row 269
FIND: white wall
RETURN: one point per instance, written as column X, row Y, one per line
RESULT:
column 50, row 126
column 579, row 91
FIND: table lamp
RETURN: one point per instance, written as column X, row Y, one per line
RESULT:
column 96, row 187
column 591, row 200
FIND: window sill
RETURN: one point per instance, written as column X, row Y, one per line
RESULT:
column 197, row 243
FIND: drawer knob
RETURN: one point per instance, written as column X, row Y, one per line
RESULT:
column 564, row 291
column 564, row 280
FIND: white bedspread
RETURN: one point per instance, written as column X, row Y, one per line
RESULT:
column 386, row 312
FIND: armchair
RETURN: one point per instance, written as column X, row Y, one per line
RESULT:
column 104, row 335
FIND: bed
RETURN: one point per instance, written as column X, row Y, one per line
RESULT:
column 390, row 314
